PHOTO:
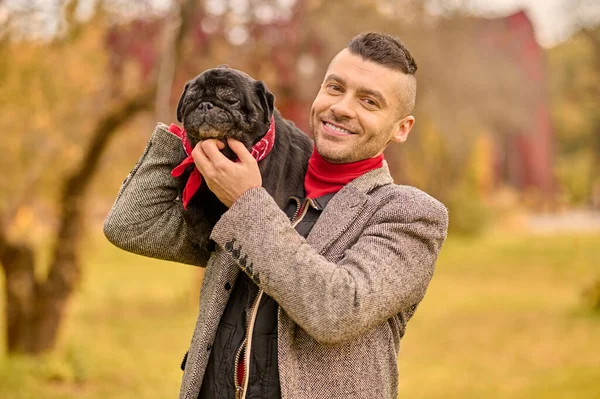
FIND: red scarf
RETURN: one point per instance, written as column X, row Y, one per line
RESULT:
column 323, row 177
column 259, row 151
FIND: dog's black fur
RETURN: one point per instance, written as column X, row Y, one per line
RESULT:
column 224, row 102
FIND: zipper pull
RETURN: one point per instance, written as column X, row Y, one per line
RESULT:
column 238, row 392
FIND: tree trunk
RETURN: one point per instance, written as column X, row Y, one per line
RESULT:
column 20, row 291
column 34, row 310
column 65, row 270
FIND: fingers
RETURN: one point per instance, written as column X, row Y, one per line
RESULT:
column 240, row 150
column 201, row 160
column 211, row 149
column 209, row 159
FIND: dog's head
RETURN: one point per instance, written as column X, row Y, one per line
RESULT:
column 224, row 102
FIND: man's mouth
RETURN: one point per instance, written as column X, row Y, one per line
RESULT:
column 336, row 128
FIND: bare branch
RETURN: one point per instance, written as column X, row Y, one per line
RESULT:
column 166, row 71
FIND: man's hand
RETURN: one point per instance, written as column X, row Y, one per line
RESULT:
column 226, row 179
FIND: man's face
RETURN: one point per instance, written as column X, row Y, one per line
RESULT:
column 356, row 112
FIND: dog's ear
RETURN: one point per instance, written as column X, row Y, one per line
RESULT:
column 266, row 98
column 180, row 103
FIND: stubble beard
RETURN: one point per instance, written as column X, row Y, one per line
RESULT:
column 324, row 147
column 346, row 153
column 340, row 152
column 327, row 148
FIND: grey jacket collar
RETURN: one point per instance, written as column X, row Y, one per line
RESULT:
column 374, row 178
column 343, row 208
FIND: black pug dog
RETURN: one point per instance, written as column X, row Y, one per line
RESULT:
column 224, row 102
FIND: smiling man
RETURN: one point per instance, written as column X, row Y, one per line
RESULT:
column 310, row 301
column 365, row 102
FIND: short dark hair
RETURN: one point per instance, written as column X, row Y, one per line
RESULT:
column 385, row 50
column 390, row 52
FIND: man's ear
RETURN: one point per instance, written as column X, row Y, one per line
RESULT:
column 403, row 129
column 266, row 98
column 180, row 103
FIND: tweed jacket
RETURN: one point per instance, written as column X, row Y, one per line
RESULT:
column 345, row 293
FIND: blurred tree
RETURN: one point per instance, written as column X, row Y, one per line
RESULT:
column 35, row 307
column 576, row 95
column 575, row 74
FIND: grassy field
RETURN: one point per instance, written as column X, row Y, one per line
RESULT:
column 503, row 318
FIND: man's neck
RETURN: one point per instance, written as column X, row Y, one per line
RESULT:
column 324, row 177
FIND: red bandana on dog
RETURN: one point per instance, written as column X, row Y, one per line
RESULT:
column 323, row 177
column 259, row 151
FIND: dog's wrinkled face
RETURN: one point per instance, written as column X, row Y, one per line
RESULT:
column 224, row 102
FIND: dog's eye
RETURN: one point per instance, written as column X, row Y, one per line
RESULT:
column 228, row 94
column 232, row 100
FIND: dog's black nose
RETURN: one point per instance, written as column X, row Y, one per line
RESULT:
column 205, row 106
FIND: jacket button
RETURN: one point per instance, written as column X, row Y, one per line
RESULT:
column 184, row 361
column 227, row 287
column 208, row 347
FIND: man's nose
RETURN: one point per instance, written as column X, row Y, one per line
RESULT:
column 343, row 108
column 205, row 106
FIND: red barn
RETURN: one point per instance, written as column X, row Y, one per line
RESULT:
column 526, row 159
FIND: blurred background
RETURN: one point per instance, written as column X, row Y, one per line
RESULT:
column 507, row 136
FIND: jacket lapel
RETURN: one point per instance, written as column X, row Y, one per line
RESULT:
column 345, row 206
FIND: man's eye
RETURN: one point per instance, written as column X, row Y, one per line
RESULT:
column 371, row 102
column 332, row 87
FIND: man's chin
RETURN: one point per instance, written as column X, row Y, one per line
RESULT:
column 332, row 153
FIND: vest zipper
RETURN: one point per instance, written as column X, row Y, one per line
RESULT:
column 238, row 389
column 298, row 208
column 246, row 345
column 301, row 210
column 248, row 348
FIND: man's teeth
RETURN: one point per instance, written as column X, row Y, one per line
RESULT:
column 339, row 129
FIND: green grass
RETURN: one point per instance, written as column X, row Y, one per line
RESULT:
column 124, row 337
column 503, row 318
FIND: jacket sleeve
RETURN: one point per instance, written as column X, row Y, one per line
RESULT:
column 147, row 217
column 385, row 271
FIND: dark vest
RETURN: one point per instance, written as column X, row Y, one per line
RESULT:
column 263, row 380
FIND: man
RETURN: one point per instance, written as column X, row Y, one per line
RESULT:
column 327, row 285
